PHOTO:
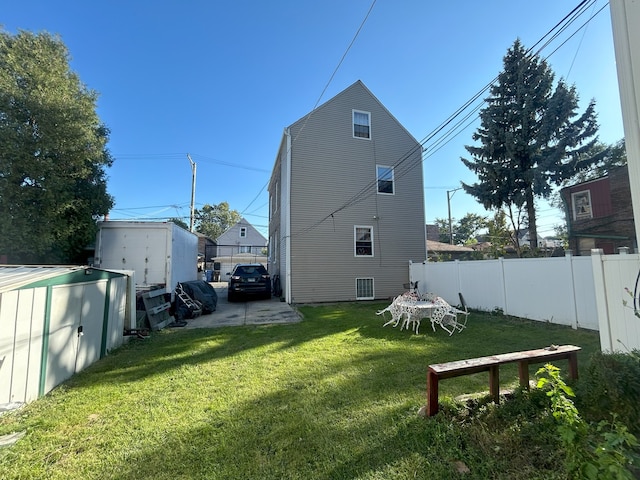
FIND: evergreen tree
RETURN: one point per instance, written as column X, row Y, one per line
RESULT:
column 529, row 140
column 611, row 157
column 53, row 154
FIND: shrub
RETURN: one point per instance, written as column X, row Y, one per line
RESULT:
column 606, row 450
column 611, row 384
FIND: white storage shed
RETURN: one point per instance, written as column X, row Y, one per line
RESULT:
column 55, row 321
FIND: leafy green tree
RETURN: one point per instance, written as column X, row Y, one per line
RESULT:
column 214, row 220
column 529, row 137
column 53, row 153
column 464, row 230
column 443, row 229
column 562, row 234
column 468, row 227
column 499, row 234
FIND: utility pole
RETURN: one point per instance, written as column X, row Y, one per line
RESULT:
column 449, row 197
column 193, row 192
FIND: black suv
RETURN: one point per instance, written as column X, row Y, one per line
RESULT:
column 249, row 279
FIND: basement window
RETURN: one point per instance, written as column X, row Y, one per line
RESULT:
column 364, row 289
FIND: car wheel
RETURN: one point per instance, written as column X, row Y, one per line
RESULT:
column 230, row 297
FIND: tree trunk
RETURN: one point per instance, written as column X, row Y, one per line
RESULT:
column 531, row 214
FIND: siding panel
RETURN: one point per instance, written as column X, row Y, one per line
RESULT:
column 333, row 188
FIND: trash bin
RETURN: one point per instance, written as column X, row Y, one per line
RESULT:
column 209, row 275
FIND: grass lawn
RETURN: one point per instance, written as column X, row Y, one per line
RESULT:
column 333, row 397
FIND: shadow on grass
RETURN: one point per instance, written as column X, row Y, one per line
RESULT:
column 352, row 416
column 339, row 416
column 335, row 396
column 485, row 335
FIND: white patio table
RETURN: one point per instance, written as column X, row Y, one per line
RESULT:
column 410, row 311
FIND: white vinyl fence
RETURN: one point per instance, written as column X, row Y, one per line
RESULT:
column 614, row 274
column 581, row 292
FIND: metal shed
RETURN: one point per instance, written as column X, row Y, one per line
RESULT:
column 55, row 321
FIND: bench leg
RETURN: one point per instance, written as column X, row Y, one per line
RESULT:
column 432, row 393
column 573, row 365
column 494, row 383
column 523, row 373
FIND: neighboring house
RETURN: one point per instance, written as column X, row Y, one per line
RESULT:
column 438, row 251
column 524, row 238
column 599, row 214
column 433, row 232
column 242, row 238
column 346, row 203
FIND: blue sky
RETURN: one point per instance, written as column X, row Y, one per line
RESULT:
column 221, row 80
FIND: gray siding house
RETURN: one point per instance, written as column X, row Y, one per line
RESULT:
column 346, row 203
column 239, row 239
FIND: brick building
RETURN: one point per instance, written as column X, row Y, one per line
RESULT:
column 599, row 214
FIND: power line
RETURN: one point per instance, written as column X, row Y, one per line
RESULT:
column 369, row 189
column 180, row 157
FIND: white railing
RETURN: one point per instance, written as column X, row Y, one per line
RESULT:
column 581, row 292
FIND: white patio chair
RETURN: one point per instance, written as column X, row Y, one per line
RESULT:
column 411, row 315
column 447, row 316
column 395, row 310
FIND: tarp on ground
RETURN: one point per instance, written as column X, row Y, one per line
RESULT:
column 203, row 292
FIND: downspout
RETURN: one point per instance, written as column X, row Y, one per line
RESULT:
column 287, row 219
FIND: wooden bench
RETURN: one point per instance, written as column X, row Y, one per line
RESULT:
column 440, row 371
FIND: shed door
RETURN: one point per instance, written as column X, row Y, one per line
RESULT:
column 74, row 306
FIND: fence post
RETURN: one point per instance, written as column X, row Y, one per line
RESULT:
column 574, row 317
column 600, row 289
column 504, row 287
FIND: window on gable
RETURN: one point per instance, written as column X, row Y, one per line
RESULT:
column 581, row 205
column 361, row 124
column 385, row 178
column 364, row 289
column 243, row 232
column 363, row 241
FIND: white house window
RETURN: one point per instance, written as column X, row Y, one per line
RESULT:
column 244, row 249
column 385, row 178
column 581, row 202
column 243, row 232
column 363, row 241
column 364, row 289
column 361, row 124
